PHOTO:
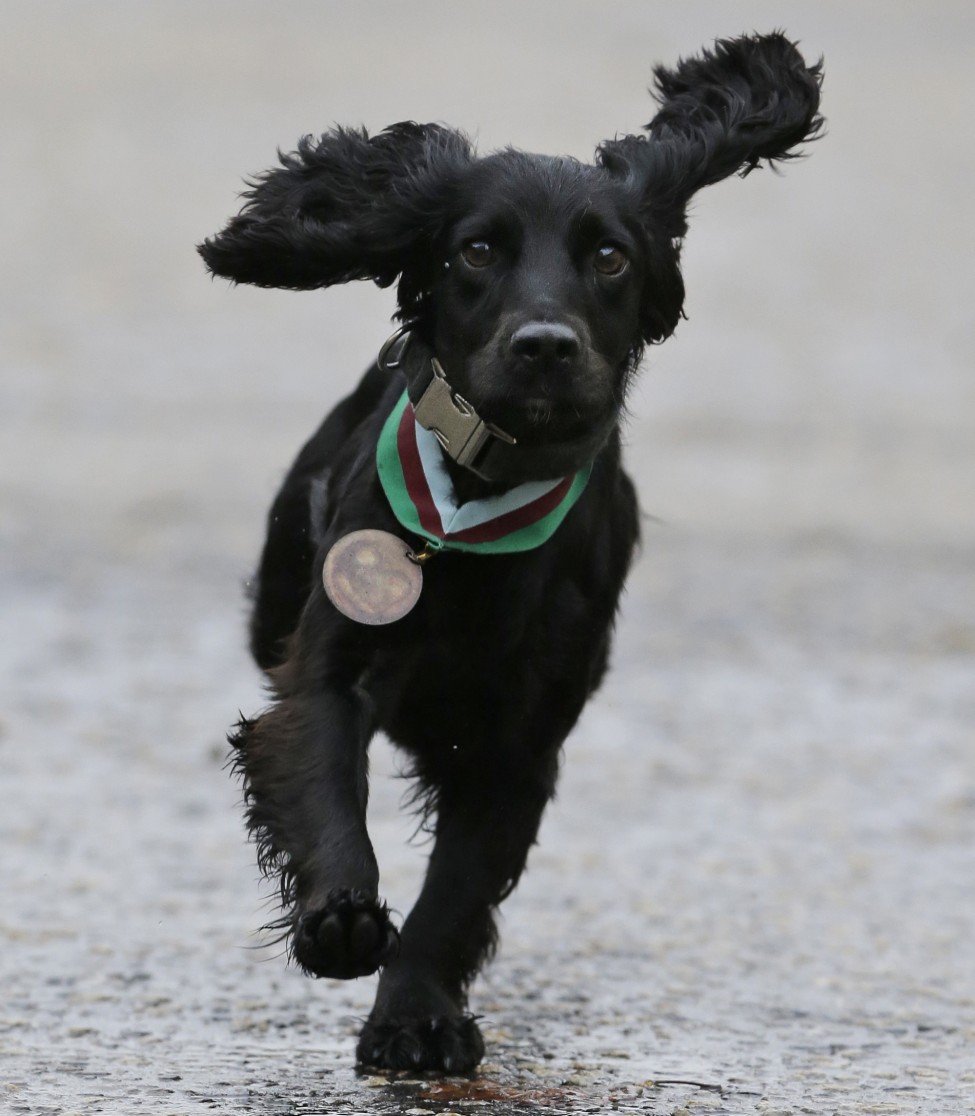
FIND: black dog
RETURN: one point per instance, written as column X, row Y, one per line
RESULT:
column 484, row 449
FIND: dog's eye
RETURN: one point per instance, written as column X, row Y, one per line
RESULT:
column 477, row 253
column 610, row 260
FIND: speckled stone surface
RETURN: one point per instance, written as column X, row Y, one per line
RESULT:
column 756, row 890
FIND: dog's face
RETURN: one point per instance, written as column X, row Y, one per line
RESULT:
column 534, row 308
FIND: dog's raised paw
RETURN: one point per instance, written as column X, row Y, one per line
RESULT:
column 349, row 936
column 444, row 1044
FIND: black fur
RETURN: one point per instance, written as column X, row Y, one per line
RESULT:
column 507, row 267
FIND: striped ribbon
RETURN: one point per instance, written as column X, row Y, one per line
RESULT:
column 416, row 482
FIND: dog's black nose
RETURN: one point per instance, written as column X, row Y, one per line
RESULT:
column 545, row 343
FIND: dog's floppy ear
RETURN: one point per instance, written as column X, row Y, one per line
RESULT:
column 343, row 206
column 749, row 99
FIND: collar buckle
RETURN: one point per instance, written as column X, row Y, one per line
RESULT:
column 458, row 428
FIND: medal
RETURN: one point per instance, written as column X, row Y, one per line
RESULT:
column 372, row 577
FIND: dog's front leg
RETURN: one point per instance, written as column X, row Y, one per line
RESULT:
column 486, row 824
column 305, row 779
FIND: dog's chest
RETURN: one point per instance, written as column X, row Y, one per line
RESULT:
column 491, row 641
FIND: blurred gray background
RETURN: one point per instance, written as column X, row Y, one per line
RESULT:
column 756, row 890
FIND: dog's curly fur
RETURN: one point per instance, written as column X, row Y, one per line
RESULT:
column 536, row 282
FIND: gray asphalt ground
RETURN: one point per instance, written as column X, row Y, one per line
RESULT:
column 756, row 892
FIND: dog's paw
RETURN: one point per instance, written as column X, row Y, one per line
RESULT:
column 349, row 936
column 445, row 1044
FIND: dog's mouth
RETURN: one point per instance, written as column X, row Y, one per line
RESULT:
column 538, row 421
column 539, row 412
column 553, row 439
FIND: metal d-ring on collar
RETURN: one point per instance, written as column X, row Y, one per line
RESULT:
column 458, row 428
column 399, row 339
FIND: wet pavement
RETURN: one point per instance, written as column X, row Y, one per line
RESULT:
column 755, row 892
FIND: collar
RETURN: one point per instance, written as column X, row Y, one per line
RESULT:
column 415, row 480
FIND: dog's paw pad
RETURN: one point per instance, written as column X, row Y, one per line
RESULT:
column 445, row 1044
column 350, row 936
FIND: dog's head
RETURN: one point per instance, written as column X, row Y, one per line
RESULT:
column 536, row 281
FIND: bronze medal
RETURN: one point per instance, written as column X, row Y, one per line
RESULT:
column 372, row 577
